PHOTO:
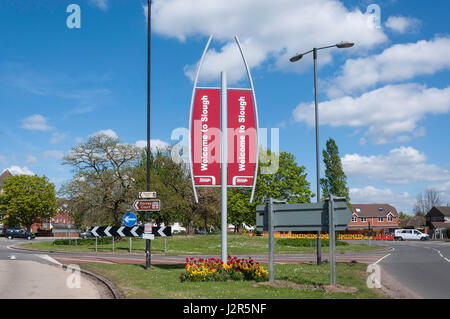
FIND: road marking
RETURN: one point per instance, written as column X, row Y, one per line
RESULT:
column 442, row 256
column 381, row 259
column 48, row 258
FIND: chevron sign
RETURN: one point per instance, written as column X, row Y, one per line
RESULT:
column 123, row 231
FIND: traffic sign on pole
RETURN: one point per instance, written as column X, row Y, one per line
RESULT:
column 145, row 195
column 136, row 231
column 147, row 205
column 129, row 219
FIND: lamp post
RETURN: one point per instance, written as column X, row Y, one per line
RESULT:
column 342, row 45
column 148, row 218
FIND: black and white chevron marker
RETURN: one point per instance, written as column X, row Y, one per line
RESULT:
column 123, row 231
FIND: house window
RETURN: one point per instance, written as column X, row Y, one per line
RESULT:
column 354, row 219
column 381, row 209
column 363, row 219
column 381, row 219
column 390, row 218
column 358, row 210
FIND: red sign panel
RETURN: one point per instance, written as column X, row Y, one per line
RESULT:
column 241, row 138
column 206, row 137
column 147, row 205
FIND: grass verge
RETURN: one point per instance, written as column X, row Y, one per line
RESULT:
column 199, row 245
column 162, row 281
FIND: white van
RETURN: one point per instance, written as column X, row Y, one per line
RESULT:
column 410, row 234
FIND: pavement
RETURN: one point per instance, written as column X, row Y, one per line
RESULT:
column 29, row 275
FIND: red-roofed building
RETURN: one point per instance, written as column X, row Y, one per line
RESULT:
column 381, row 218
column 438, row 220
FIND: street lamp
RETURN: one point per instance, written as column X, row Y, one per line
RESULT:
column 342, row 45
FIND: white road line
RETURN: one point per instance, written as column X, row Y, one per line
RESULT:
column 48, row 258
column 442, row 256
column 381, row 259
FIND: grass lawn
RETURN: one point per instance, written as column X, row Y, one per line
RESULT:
column 198, row 245
column 162, row 281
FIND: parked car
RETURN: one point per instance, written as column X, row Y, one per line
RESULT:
column 18, row 233
column 87, row 234
column 410, row 234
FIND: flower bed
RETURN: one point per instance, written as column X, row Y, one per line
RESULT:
column 213, row 269
column 325, row 236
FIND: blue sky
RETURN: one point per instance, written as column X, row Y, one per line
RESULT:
column 385, row 101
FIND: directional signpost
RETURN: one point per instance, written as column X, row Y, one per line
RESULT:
column 147, row 205
column 332, row 215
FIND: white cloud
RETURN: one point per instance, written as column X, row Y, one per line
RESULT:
column 57, row 137
column 402, row 201
column 397, row 63
column 404, row 165
column 16, row 170
column 36, row 122
column 400, row 24
column 53, row 154
column 107, row 132
column 385, row 112
column 102, row 4
column 154, row 144
column 269, row 30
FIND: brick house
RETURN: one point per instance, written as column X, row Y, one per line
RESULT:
column 381, row 218
column 438, row 218
column 59, row 225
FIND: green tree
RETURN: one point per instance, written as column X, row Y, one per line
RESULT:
column 335, row 181
column 403, row 216
column 240, row 210
column 288, row 182
column 27, row 200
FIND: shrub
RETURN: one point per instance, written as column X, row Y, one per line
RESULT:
column 83, row 242
column 303, row 242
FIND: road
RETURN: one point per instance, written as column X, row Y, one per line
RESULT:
column 422, row 267
column 28, row 275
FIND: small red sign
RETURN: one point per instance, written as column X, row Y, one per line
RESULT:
column 148, row 228
column 147, row 205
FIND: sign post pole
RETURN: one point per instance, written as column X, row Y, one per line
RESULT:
column 332, row 241
column 271, row 241
column 224, row 161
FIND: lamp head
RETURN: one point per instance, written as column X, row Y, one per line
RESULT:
column 296, row 58
column 344, row 45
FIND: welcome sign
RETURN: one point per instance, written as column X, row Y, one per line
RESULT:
column 206, row 127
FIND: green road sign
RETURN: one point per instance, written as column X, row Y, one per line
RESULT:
column 303, row 217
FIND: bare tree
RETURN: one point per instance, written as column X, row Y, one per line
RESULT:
column 103, row 182
column 425, row 201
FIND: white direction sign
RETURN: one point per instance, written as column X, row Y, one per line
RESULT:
column 147, row 194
